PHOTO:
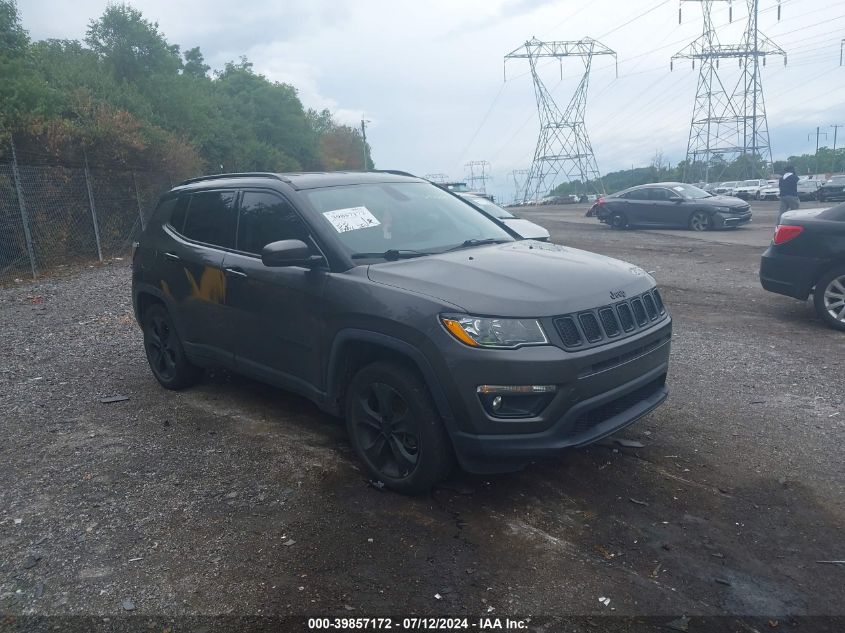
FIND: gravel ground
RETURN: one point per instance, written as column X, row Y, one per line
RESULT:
column 236, row 498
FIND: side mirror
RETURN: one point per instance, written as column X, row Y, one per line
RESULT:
column 288, row 253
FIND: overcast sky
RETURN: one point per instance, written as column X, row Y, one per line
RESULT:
column 429, row 75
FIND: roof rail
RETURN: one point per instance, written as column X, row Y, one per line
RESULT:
column 396, row 172
column 250, row 174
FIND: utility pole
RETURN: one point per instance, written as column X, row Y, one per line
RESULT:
column 563, row 148
column 364, row 138
column 818, row 134
column 835, row 130
column 841, row 50
column 729, row 117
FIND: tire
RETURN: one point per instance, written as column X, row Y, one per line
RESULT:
column 165, row 353
column 618, row 221
column 408, row 449
column 829, row 298
column 699, row 221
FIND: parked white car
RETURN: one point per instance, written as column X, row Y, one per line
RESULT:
column 749, row 189
column 525, row 228
column 771, row 191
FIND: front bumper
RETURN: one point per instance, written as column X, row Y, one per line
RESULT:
column 600, row 391
column 730, row 220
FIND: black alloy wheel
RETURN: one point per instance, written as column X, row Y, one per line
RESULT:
column 165, row 353
column 395, row 428
column 618, row 221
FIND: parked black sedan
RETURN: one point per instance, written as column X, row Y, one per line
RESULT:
column 807, row 255
column 833, row 189
column 672, row 205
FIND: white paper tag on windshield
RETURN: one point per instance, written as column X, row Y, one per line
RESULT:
column 351, row 219
column 678, row 188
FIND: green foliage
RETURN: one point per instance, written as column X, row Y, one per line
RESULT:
column 129, row 96
column 827, row 162
column 130, row 45
column 195, row 63
column 13, row 37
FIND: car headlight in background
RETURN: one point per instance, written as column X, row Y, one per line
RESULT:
column 493, row 332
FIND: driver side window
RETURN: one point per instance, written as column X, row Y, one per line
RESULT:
column 264, row 218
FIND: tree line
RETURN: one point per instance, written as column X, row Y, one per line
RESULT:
column 125, row 96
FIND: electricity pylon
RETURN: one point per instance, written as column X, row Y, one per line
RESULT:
column 563, row 147
column 477, row 179
column 729, row 115
column 520, row 178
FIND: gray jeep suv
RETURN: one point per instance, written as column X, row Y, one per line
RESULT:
column 430, row 326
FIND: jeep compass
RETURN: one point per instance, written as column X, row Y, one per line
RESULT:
column 428, row 325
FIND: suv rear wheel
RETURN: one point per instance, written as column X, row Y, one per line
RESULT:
column 829, row 298
column 164, row 350
column 395, row 429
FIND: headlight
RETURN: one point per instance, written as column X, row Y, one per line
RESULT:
column 722, row 209
column 494, row 332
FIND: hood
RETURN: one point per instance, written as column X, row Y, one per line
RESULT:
column 517, row 279
column 726, row 201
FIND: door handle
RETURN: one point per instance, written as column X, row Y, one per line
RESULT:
column 172, row 256
column 235, row 272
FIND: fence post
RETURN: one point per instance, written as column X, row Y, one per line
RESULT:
column 138, row 200
column 24, row 216
column 93, row 209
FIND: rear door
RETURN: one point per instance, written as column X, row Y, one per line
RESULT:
column 667, row 207
column 274, row 315
column 636, row 206
column 201, row 226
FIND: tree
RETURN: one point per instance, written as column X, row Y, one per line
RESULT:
column 13, row 37
column 132, row 46
column 195, row 65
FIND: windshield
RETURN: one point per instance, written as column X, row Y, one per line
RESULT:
column 411, row 217
column 732, row 183
column 691, row 191
column 490, row 207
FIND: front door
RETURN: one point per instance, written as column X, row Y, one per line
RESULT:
column 274, row 314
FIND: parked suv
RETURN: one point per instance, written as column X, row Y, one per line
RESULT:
column 426, row 323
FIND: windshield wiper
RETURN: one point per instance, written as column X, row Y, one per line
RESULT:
column 390, row 255
column 475, row 242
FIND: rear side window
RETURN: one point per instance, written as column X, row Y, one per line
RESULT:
column 179, row 208
column 637, row 194
column 212, row 218
column 265, row 218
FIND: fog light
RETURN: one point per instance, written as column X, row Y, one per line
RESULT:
column 515, row 401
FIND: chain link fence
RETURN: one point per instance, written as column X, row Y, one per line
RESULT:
column 54, row 216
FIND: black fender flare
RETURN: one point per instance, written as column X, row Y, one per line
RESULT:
column 353, row 335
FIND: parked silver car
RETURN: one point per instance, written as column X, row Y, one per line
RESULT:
column 525, row 228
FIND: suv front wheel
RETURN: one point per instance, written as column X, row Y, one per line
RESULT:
column 396, row 430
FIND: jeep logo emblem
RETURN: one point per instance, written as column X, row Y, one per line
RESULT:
column 617, row 294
